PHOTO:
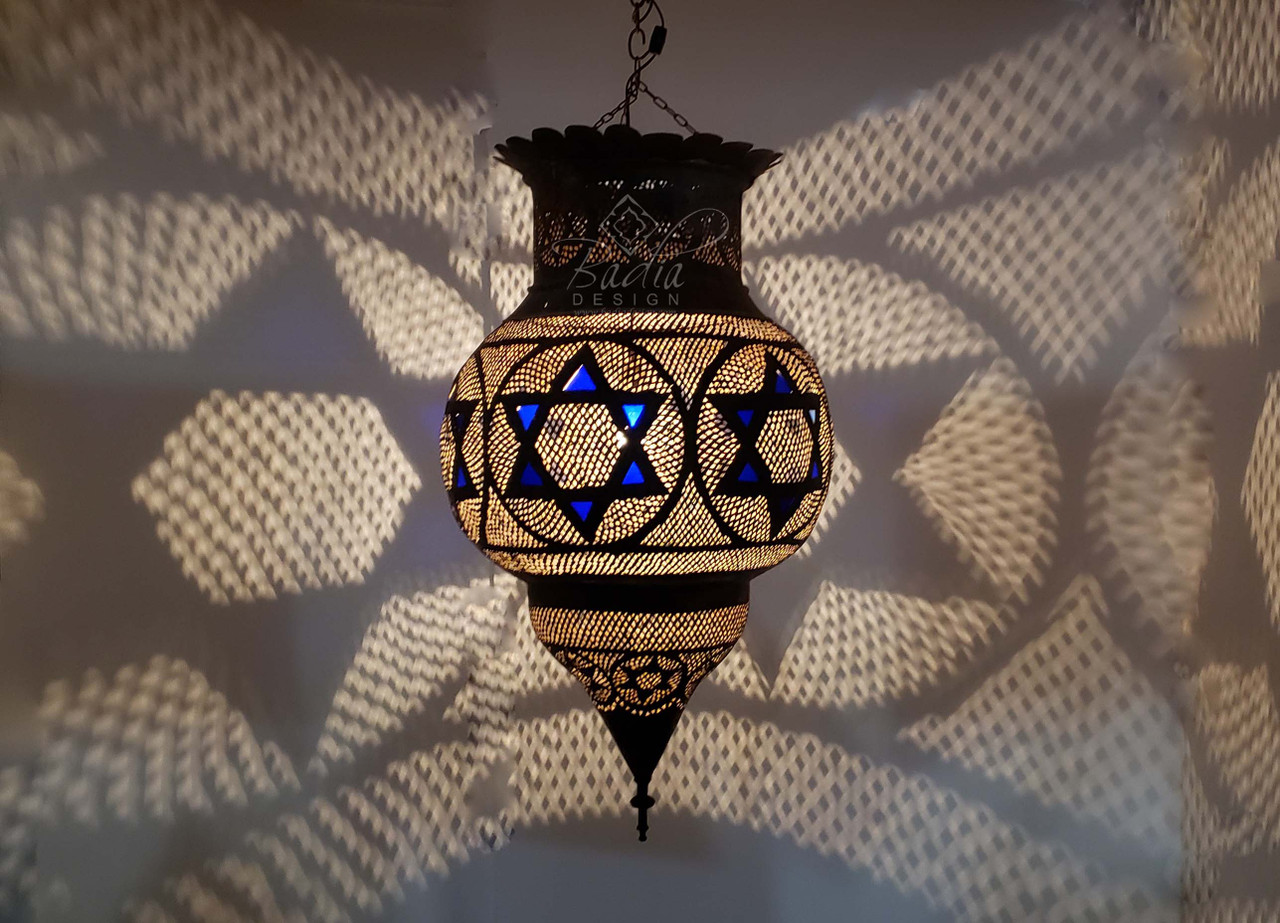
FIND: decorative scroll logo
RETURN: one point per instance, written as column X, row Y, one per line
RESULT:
column 636, row 259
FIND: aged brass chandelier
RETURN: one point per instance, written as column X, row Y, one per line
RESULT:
column 637, row 441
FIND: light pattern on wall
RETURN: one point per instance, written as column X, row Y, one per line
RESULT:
column 21, row 504
column 1002, row 525
column 1261, row 490
column 1071, row 719
column 841, row 804
column 1201, row 174
column 130, row 272
column 1150, row 493
column 513, row 201
column 857, row 647
column 339, row 857
column 416, row 645
column 861, row 316
column 739, row 673
column 1245, row 43
column 1236, row 45
column 1060, row 87
column 259, row 494
column 421, row 326
column 267, row 105
column 154, row 740
column 1240, row 234
column 349, row 854
column 1202, row 837
column 1241, row 730
column 1234, row 911
column 508, row 283
column 1098, row 225
column 33, row 146
column 19, row 808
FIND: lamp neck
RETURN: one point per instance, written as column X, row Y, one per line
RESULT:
column 664, row 236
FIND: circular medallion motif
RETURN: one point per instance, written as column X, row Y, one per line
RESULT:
column 585, row 442
column 764, row 443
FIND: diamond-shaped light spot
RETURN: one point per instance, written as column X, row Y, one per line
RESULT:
column 260, row 493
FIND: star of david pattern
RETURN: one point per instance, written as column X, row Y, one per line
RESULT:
column 539, row 471
column 749, row 474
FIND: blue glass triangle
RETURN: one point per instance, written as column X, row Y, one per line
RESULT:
column 529, row 477
column 780, row 383
column 581, row 380
column 745, row 416
column 787, row 504
column 633, row 413
column 813, row 472
column 813, row 415
column 582, row 508
column 633, row 475
column 526, row 412
column 462, row 478
column 748, row 474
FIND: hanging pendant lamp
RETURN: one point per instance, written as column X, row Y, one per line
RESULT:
column 637, row 441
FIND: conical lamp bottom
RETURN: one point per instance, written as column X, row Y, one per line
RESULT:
column 639, row 662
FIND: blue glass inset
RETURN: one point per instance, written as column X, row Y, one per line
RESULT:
column 633, row 475
column 526, row 412
column 780, row 384
column 530, row 478
column 745, row 416
column 582, row 508
column 632, row 412
column 813, row 415
column 813, row 472
column 462, row 478
column 748, row 474
column 581, row 380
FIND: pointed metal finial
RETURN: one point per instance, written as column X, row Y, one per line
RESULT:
column 642, row 803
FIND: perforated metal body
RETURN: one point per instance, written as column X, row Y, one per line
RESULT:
column 637, row 441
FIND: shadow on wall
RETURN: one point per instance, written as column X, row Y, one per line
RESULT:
column 1026, row 665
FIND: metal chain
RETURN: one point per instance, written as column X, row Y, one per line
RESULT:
column 650, row 47
column 666, row 107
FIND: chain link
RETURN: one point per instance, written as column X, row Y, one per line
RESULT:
column 641, row 10
column 666, row 107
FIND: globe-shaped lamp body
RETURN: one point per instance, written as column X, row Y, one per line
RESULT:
column 637, row 440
